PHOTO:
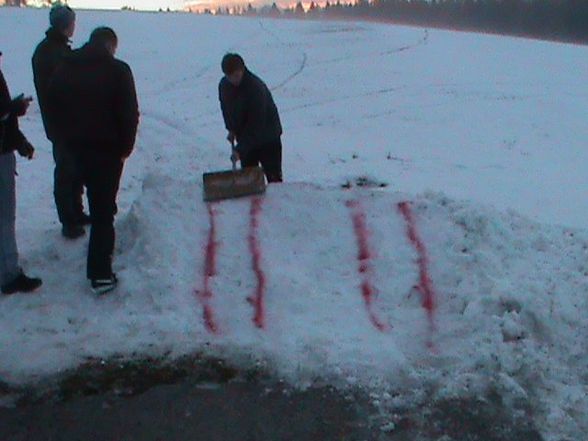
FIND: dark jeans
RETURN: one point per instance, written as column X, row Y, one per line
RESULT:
column 101, row 174
column 67, row 186
column 9, row 268
column 270, row 157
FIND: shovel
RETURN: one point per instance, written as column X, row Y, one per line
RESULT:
column 228, row 184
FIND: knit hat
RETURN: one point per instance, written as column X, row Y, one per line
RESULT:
column 61, row 16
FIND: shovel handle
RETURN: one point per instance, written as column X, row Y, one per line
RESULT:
column 232, row 158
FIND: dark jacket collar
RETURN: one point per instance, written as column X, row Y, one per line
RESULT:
column 90, row 53
column 56, row 36
column 247, row 76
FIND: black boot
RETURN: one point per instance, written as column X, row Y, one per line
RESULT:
column 22, row 283
column 72, row 231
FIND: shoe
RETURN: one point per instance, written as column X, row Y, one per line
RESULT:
column 72, row 231
column 102, row 286
column 22, row 283
column 84, row 219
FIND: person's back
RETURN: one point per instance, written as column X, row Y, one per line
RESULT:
column 93, row 99
column 50, row 52
column 47, row 57
column 93, row 102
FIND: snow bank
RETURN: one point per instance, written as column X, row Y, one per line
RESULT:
column 494, row 123
column 510, row 296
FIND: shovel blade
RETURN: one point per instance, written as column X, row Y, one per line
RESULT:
column 230, row 184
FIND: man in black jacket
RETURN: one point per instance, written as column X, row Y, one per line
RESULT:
column 67, row 187
column 12, row 278
column 251, row 117
column 93, row 108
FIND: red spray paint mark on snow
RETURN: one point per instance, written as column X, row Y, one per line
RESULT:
column 425, row 284
column 257, row 299
column 209, row 271
column 364, row 257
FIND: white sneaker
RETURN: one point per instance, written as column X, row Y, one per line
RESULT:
column 102, row 286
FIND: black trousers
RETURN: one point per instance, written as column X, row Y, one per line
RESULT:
column 270, row 157
column 101, row 174
column 67, row 186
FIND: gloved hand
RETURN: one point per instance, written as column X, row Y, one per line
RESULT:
column 26, row 150
column 20, row 105
column 235, row 156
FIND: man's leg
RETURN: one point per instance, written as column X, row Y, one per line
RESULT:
column 251, row 159
column 12, row 279
column 102, row 179
column 68, row 188
column 271, row 161
column 9, row 268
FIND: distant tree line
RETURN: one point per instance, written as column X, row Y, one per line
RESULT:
column 550, row 19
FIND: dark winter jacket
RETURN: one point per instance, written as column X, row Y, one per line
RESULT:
column 10, row 135
column 47, row 57
column 249, row 112
column 92, row 103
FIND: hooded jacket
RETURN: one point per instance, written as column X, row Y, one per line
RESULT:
column 249, row 112
column 92, row 102
column 47, row 57
column 10, row 135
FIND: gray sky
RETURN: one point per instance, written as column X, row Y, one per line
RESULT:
column 117, row 4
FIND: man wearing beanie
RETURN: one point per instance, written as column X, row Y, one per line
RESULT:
column 68, row 188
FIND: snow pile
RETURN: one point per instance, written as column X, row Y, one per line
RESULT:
column 343, row 296
column 510, row 296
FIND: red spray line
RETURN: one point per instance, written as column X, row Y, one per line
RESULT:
column 257, row 299
column 364, row 257
column 425, row 284
column 209, row 271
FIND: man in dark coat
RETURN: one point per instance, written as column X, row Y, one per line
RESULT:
column 251, row 117
column 67, row 188
column 93, row 108
column 12, row 278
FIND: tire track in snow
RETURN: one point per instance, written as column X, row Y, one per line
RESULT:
column 294, row 75
column 186, row 129
column 301, row 67
column 171, row 85
column 424, row 40
column 344, row 98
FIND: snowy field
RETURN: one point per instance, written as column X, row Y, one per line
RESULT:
column 484, row 136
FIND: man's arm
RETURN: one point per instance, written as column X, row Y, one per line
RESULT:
column 54, row 106
column 127, row 110
column 223, row 98
column 9, row 111
column 256, row 116
column 41, row 75
column 5, row 102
